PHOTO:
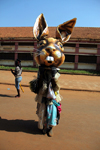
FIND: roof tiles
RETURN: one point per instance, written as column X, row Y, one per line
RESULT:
column 27, row 32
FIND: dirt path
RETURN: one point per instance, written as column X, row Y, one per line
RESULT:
column 66, row 81
column 79, row 127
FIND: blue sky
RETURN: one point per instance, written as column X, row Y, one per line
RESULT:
column 23, row 13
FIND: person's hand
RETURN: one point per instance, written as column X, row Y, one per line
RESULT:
column 11, row 70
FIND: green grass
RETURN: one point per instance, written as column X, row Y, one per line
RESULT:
column 24, row 68
column 82, row 72
column 30, row 69
column 6, row 67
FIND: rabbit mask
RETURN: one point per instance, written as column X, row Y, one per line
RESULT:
column 50, row 50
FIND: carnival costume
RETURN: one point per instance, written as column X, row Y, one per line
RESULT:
column 49, row 56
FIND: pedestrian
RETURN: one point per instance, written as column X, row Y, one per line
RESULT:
column 17, row 73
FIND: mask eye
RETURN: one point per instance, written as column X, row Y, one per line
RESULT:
column 41, row 43
column 61, row 46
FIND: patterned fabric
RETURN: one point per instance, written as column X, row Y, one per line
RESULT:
column 58, row 105
column 55, row 103
column 51, row 115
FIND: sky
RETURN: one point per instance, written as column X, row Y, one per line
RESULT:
column 23, row 13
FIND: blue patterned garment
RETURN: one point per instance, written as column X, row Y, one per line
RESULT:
column 51, row 115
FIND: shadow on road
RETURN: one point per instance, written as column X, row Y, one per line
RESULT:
column 4, row 95
column 27, row 126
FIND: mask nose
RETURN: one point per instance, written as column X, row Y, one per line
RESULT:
column 50, row 49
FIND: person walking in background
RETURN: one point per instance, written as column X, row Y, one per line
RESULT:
column 17, row 73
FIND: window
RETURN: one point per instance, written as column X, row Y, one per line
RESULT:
column 7, row 56
column 69, row 58
column 87, row 59
column 25, row 56
column 70, row 45
column 7, row 44
column 88, row 45
column 26, row 44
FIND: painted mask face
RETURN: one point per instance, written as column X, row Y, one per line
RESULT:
column 50, row 50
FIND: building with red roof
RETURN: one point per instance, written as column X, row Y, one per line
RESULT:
column 82, row 51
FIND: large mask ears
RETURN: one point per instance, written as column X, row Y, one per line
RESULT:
column 40, row 28
column 64, row 30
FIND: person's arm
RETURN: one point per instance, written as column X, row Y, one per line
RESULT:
column 13, row 72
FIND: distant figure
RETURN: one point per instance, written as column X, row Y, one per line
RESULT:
column 17, row 73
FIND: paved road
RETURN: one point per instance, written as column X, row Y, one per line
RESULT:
column 79, row 127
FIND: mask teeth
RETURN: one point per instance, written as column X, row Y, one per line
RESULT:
column 50, row 58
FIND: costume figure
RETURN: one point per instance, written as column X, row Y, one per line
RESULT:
column 49, row 56
column 17, row 73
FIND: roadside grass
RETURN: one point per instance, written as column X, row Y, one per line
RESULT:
column 65, row 71
column 81, row 72
column 24, row 68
